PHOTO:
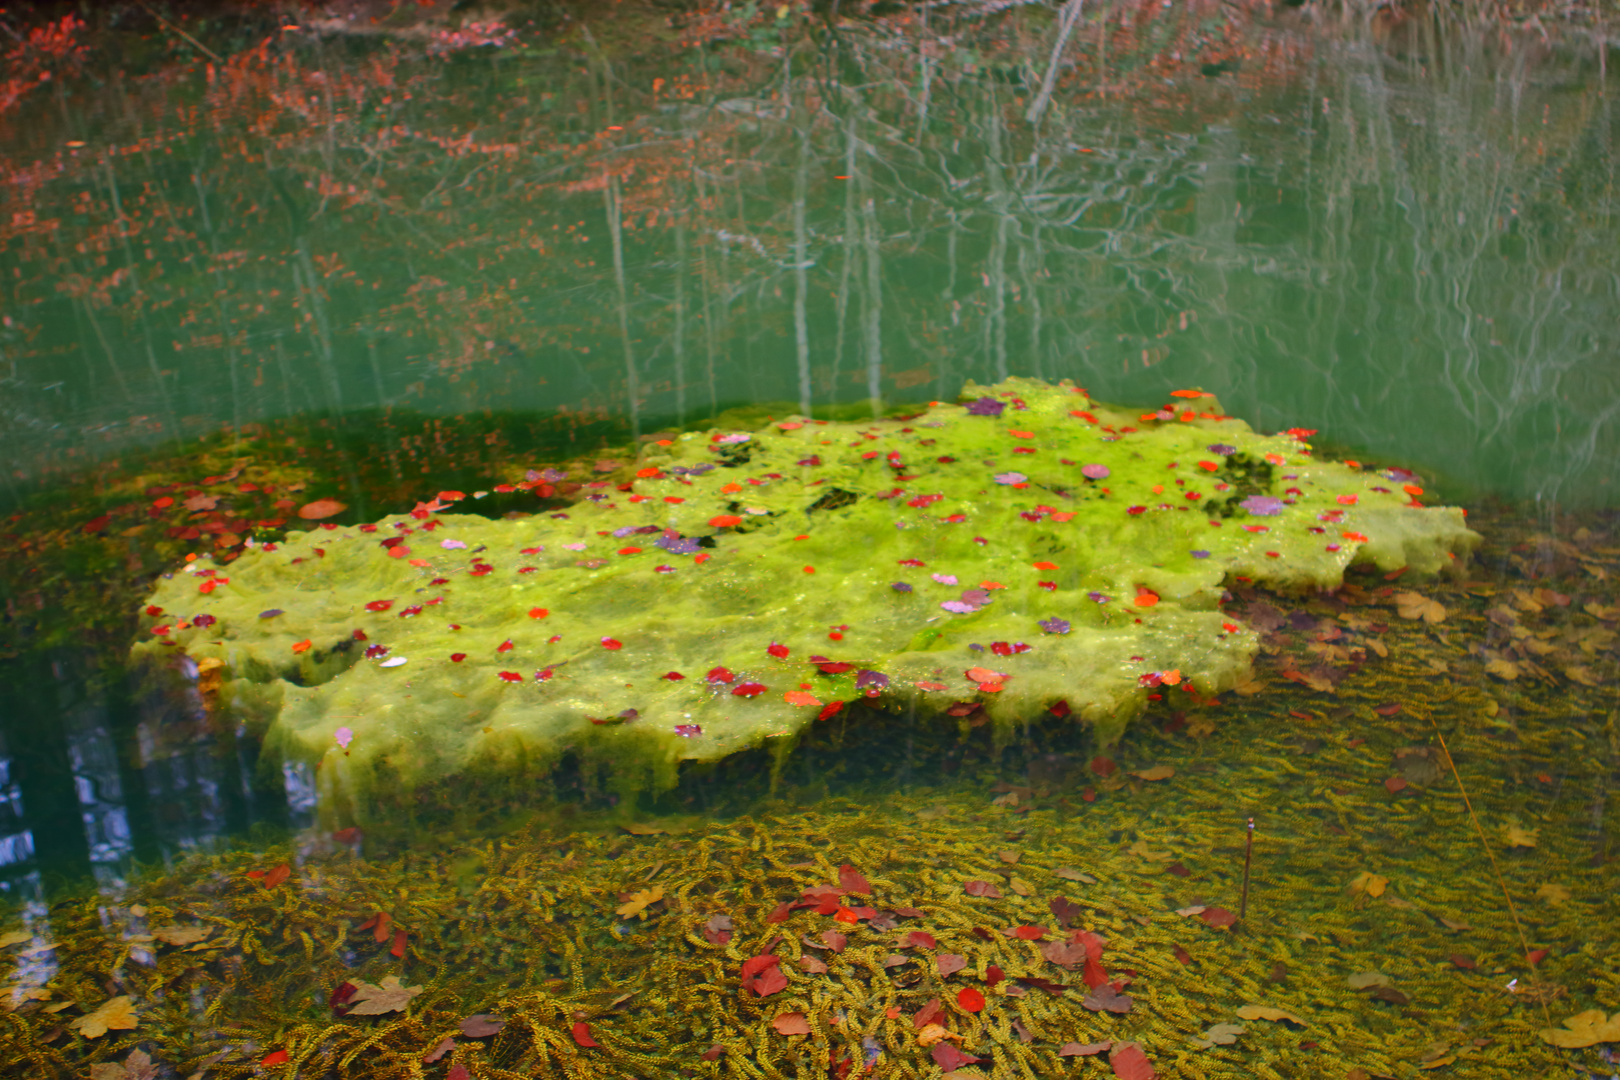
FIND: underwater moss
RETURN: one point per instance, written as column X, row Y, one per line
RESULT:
column 1029, row 550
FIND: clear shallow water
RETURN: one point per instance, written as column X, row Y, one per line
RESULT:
column 1414, row 254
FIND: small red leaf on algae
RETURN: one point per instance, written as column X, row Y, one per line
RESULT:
column 1217, row 917
column 1084, row 1049
column 95, row 525
column 721, row 521
column 274, row 1057
column 398, row 949
column 831, row 709
column 994, row 975
column 720, row 674
column 1130, row 1063
column 970, row 999
column 505, row 646
column 981, row 888
column 1536, row 956
column 928, row 1014
column 277, row 876
column 538, row 613
column 1387, row 709
column 780, row 913
column 748, row 690
column 458, row 1071
column 851, row 881
column 1396, row 784
column 919, row 939
column 609, row 643
column 582, row 1034
column 1467, row 963
column 444, row 1047
column 776, row 650
column 673, row 676
column 1029, row 933
column 1182, row 955
column 949, row 964
column 762, row 975
column 791, row 1023
column 949, row 1058
column 713, row 1053
column 834, row 940
column 1103, row 766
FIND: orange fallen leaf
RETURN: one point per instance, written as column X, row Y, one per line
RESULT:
column 321, row 508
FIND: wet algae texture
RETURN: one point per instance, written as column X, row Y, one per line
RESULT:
column 1027, row 550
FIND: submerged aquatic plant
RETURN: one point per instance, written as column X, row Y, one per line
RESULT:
column 522, row 635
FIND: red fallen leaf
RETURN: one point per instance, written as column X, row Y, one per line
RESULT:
column 1103, row 766
column 1217, row 917
column 349, row 835
column 949, row 1058
column 379, row 605
column 1130, row 1063
column 1089, row 795
column 832, row 668
column 970, row 999
column 321, row 508
column 928, row 1014
column 851, row 881
column 1387, row 709
column 721, row 521
column 830, row 709
column 458, row 1071
column 834, row 940
column 1182, row 955
column 1536, row 956
column 1467, row 963
column 748, row 690
column 1045, row 565
column 582, row 1034
column 342, row 993
column 505, row 646
column 1395, row 784
column 277, row 876
column 780, row 913
column 981, row 888
column 274, row 1057
column 95, row 525
column 1084, row 1049
column 538, row 613
column 1029, row 933
column 778, row 651
column 762, row 975
column 457, row 657
column 811, row 966
column 510, row 676
column 610, row 643
column 713, row 1053
column 378, row 925
column 302, row 646
column 1059, row 709
column 908, row 912
column 450, row 496
column 920, row 939
column 720, row 674
column 398, row 949
column 672, row 676
column 444, row 1047
column 994, row 975
column 791, row 1023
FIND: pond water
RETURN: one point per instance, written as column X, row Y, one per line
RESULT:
column 361, row 269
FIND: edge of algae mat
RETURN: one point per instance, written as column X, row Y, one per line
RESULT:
column 1030, row 550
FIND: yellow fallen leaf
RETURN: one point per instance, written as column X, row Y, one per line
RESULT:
column 1553, row 895
column 117, row 1014
column 933, row 1033
column 1363, row 979
column 1141, row 851
column 1371, row 884
column 15, row 937
column 1157, row 772
column 1520, row 837
column 1021, row 887
column 1438, row 1063
column 639, row 901
column 1505, row 670
column 1583, row 675
column 1264, row 1012
column 1584, row 1029
column 182, row 935
column 643, row 830
column 1411, row 605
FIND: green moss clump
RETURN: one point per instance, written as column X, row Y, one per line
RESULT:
column 1030, row 551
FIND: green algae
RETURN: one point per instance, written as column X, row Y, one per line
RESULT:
column 743, row 584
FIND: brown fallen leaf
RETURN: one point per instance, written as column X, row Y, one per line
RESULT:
column 1411, row 605
column 182, row 935
column 1265, row 1012
column 385, row 997
column 791, row 1023
column 1106, row 998
column 116, row 1014
column 445, row 1046
column 811, row 966
column 138, row 1066
column 1584, row 1029
column 1371, row 884
column 1553, row 895
column 482, row 1025
column 321, row 508
column 1156, row 772
column 643, row 830
column 1084, row 1049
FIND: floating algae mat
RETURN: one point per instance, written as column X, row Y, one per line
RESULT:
column 1029, row 550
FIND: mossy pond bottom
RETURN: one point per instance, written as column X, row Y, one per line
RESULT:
column 912, row 897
